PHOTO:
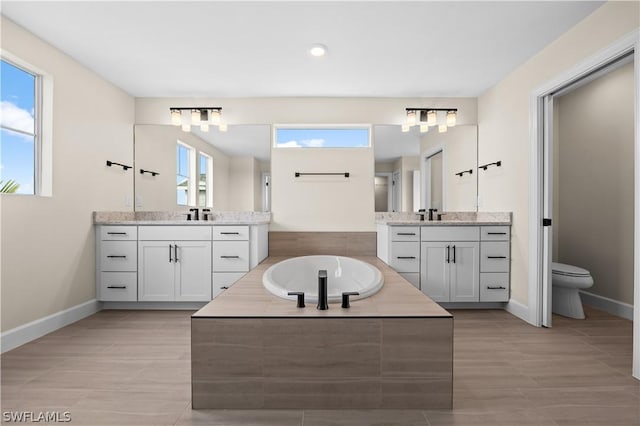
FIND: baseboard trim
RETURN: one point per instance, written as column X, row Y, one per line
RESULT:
column 180, row 306
column 519, row 310
column 25, row 333
column 472, row 305
column 614, row 307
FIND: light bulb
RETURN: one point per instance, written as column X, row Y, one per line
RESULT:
column 223, row 127
column 318, row 50
column 215, row 116
column 176, row 117
column 451, row 118
column 411, row 118
column 195, row 117
column 405, row 128
column 431, row 118
column 186, row 127
column 204, row 126
column 442, row 128
column 424, row 128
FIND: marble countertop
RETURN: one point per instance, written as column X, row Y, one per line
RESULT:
column 449, row 219
column 183, row 222
column 248, row 298
column 180, row 218
column 444, row 222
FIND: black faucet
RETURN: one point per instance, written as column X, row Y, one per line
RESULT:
column 421, row 214
column 431, row 212
column 323, row 303
column 195, row 214
column 206, row 214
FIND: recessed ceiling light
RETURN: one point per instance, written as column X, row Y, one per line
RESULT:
column 318, row 50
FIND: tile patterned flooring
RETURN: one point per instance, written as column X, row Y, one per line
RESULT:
column 132, row 368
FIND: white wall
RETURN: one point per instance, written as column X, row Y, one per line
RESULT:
column 243, row 192
column 595, row 182
column 503, row 123
column 48, row 257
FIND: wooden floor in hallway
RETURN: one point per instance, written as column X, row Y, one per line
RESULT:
column 133, row 368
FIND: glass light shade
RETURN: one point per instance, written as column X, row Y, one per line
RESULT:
column 176, row 117
column 195, row 117
column 411, row 118
column 451, row 118
column 431, row 118
column 204, row 126
column 223, row 127
column 405, row 128
column 186, row 127
column 424, row 128
column 442, row 128
column 215, row 116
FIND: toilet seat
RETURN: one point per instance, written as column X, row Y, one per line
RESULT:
column 568, row 270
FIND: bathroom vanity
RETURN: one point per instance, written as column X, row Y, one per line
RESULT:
column 465, row 258
column 175, row 260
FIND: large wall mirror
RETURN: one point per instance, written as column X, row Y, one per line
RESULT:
column 220, row 170
column 426, row 170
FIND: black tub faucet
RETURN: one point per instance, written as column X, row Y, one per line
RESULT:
column 323, row 303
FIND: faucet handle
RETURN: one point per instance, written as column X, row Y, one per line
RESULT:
column 345, row 298
column 300, row 295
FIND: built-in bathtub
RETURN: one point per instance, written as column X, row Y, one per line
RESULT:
column 344, row 274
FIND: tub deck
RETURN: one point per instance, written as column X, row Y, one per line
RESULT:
column 251, row 349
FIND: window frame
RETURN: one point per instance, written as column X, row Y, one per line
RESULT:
column 192, row 185
column 324, row 126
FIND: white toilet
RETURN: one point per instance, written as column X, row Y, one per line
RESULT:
column 566, row 281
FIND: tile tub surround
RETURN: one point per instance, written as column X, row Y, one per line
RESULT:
column 250, row 349
column 330, row 243
column 179, row 217
column 449, row 218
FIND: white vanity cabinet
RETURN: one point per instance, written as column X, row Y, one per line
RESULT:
column 404, row 252
column 172, row 269
column 117, row 263
column 450, row 257
column 494, row 264
column 231, row 256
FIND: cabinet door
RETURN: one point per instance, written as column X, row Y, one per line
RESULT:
column 193, row 271
column 434, row 275
column 465, row 271
column 156, row 271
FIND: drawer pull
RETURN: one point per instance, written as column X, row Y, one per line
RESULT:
column 496, row 233
column 496, row 287
column 229, row 257
column 229, row 233
column 496, row 257
column 117, row 286
column 406, row 233
column 116, row 233
column 406, row 257
column 117, row 256
column 175, row 253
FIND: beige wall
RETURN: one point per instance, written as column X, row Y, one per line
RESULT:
column 503, row 123
column 408, row 165
column 244, row 189
column 155, row 149
column 322, row 203
column 595, row 182
column 48, row 257
column 460, row 153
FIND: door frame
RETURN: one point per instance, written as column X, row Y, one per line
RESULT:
column 396, row 191
column 425, row 170
column 537, row 252
column 389, row 177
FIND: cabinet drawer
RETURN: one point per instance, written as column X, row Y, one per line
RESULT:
column 172, row 233
column 405, row 233
column 230, row 233
column 413, row 278
column 118, row 256
column 231, row 256
column 494, row 287
column 450, row 233
column 223, row 280
column 118, row 233
column 494, row 256
column 405, row 256
column 494, row 233
column 118, row 286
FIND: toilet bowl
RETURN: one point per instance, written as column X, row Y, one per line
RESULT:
column 566, row 281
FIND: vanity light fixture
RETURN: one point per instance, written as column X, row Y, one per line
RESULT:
column 200, row 116
column 441, row 117
column 405, row 128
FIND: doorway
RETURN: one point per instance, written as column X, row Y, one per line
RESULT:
column 382, row 190
column 434, row 180
column 541, row 184
column 396, row 184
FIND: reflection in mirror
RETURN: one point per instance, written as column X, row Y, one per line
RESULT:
column 419, row 170
column 225, row 171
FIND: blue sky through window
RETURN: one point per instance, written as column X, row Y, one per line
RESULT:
column 17, row 149
column 322, row 138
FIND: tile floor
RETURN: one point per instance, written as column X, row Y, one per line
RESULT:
column 132, row 368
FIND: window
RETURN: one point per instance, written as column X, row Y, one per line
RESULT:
column 185, row 162
column 322, row 137
column 19, row 138
column 205, row 182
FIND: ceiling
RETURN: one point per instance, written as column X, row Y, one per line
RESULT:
column 260, row 49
